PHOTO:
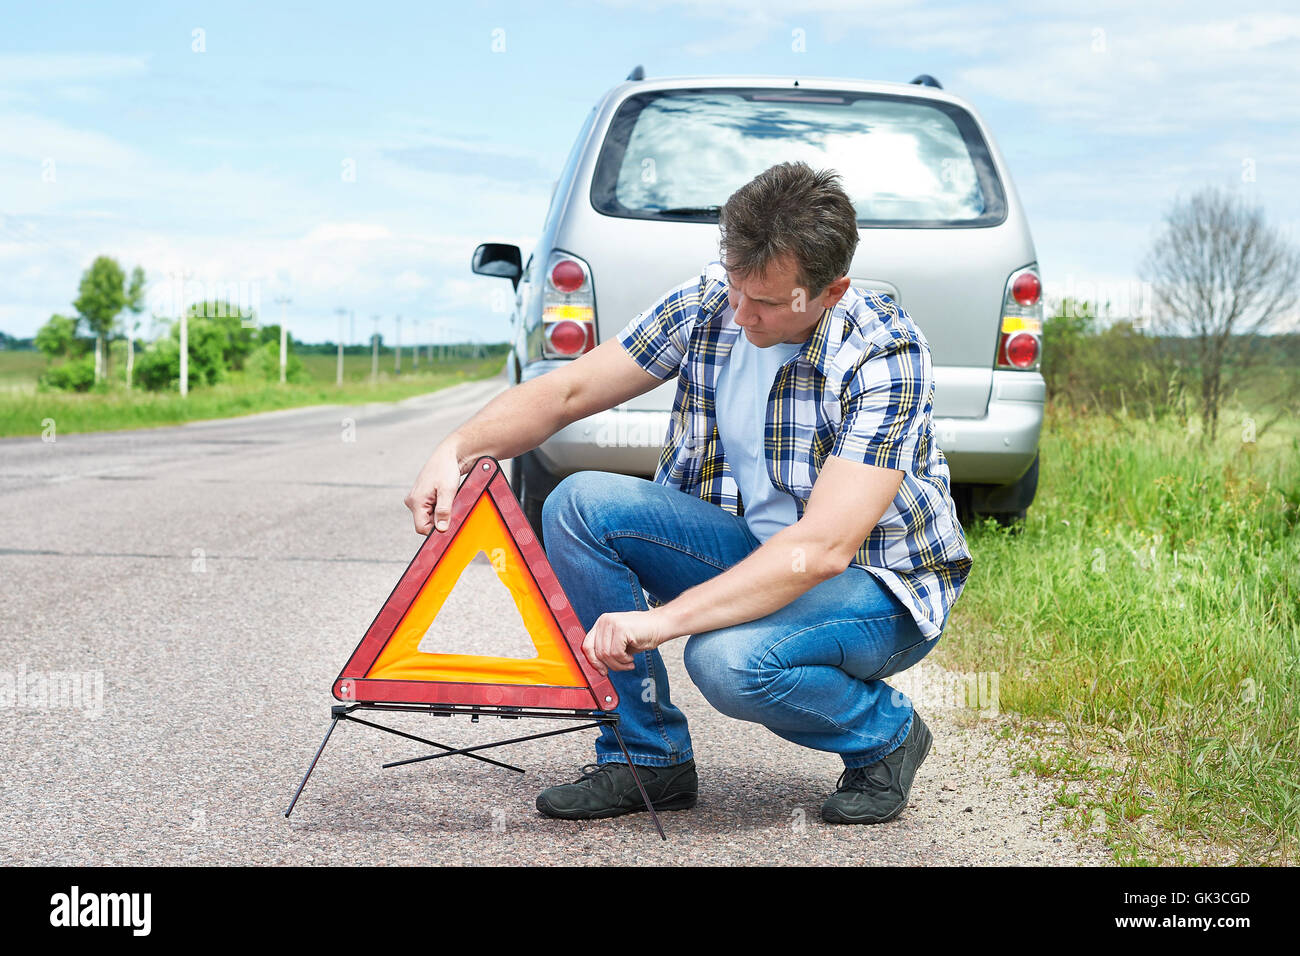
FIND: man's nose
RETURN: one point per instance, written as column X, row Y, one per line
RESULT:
column 741, row 310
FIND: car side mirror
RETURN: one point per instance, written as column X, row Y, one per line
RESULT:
column 500, row 260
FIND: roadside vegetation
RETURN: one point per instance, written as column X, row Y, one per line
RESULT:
column 90, row 371
column 1144, row 620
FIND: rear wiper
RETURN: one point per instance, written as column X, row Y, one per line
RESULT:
column 690, row 211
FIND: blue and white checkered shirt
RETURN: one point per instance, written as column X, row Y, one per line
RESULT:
column 861, row 388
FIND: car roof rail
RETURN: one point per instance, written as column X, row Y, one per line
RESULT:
column 925, row 79
column 638, row 73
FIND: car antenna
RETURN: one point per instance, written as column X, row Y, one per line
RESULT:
column 925, row 79
column 638, row 73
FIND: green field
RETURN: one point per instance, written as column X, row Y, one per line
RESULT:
column 1145, row 627
column 24, row 407
column 20, row 369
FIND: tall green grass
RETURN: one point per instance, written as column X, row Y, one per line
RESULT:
column 1151, row 605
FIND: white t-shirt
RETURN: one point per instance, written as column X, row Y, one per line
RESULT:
column 744, row 382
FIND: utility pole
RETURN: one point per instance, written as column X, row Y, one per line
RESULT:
column 397, row 349
column 179, row 300
column 374, row 352
column 415, row 346
column 283, row 301
column 185, row 352
column 338, row 378
column 130, row 352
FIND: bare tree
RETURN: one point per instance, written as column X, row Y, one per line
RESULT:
column 1221, row 277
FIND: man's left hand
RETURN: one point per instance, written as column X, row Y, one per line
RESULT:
column 617, row 636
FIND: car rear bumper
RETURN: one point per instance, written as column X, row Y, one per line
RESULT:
column 996, row 449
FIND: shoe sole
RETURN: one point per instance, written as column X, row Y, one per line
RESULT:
column 680, row 802
column 835, row 816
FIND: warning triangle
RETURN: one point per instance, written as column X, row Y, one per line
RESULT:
column 390, row 665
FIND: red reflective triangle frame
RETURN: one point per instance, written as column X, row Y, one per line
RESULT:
column 352, row 685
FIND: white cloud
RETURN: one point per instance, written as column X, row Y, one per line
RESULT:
column 353, row 231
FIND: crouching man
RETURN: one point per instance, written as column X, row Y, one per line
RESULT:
column 799, row 531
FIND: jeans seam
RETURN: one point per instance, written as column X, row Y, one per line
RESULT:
column 647, row 760
column 637, row 601
column 655, row 539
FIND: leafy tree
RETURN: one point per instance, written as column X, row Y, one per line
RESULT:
column 101, row 296
column 57, row 337
column 239, row 333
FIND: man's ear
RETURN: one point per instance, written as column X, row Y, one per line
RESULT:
column 835, row 291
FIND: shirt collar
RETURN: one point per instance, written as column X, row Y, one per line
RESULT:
column 820, row 347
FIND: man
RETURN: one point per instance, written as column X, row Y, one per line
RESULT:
column 799, row 530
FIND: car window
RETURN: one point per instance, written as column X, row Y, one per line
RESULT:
column 904, row 160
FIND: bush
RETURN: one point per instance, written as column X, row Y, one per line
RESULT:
column 1119, row 367
column 76, row 375
column 264, row 364
column 225, row 321
column 159, row 366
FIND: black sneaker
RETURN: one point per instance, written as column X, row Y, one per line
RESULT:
column 608, row 790
column 878, row 792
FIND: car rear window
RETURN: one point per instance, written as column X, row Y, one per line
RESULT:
column 904, row 161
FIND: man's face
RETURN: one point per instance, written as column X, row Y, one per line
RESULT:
column 773, row 307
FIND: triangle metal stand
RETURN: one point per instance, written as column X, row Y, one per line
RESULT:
column 592, row 719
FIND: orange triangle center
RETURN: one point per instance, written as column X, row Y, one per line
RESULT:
column 482, row 530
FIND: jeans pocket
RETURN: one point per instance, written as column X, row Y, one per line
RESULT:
column 902, row 660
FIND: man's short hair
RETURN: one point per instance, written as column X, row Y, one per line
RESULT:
column 790, row 209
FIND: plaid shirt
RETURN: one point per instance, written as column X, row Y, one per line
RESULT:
column 861, row 388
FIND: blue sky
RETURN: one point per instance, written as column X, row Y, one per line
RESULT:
column 228, row 165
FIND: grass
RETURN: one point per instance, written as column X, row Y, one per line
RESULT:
column 20, row 369
column 1149, row 612
column 24, row 408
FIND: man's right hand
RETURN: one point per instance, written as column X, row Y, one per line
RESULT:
column 435, row 486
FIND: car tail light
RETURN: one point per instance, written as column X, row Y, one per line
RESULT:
column 568, row 308
column 1026, row 288
column 1022, row 350
column 1020, row 336
column 567, row 337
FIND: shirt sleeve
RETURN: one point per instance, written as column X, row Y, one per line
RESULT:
column 657, row 338
column 886, row 406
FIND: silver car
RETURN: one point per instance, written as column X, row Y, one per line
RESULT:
column 634, row 213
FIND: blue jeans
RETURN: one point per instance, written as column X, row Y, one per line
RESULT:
column 810, row 672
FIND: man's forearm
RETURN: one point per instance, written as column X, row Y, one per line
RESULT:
column 516, row 421
column 770, row 577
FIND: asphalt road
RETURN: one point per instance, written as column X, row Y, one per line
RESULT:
column 205, row 583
